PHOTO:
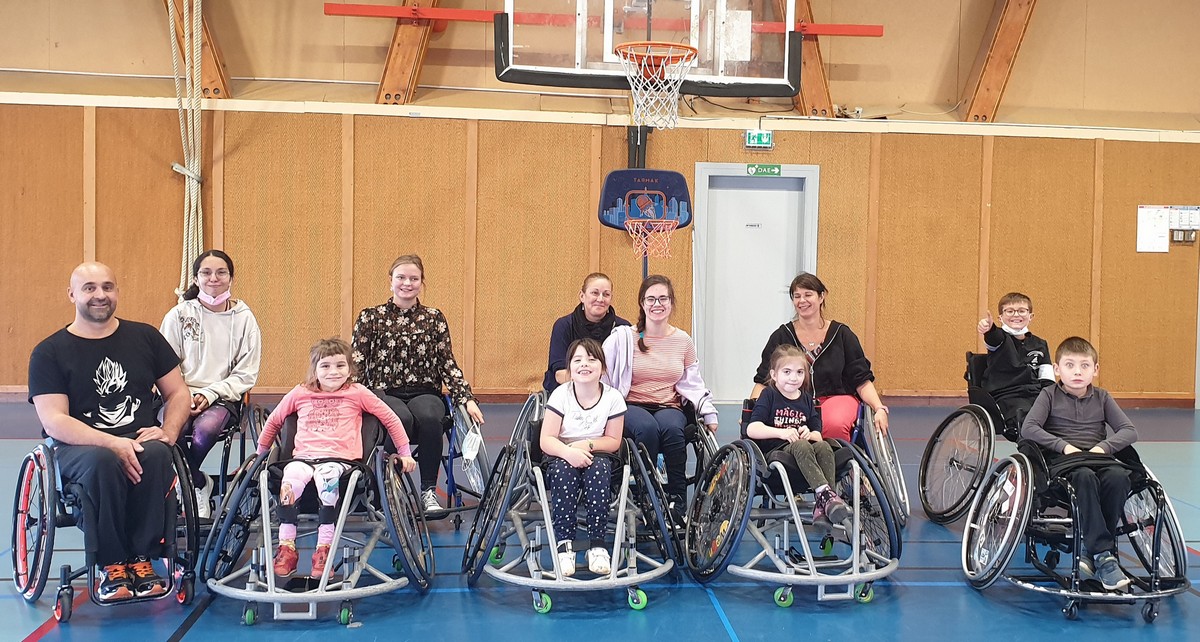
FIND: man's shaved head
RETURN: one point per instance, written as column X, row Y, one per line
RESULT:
column 93, row 290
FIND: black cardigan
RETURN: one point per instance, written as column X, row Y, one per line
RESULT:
column 840, row 367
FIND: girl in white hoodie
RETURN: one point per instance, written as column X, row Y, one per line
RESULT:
column 219, row 345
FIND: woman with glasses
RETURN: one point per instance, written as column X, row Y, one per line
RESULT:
column 219, row 346
column 593, row 318
column 1018, row 361
column 654, row 366
column 841, row 373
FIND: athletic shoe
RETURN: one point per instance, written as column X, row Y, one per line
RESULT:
column 1087, row 569
column 204, row 500
column 146, row 582
column 1109, row 572
column 598, row 562
column 677, row 510
column 566, row 559
column 429, row 499
column 115, row 584
column 285, row 560
column 320, row 558
column 830, row 507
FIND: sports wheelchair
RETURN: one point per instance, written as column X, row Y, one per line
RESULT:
column 1021, row 501
column 880, row 449
column 852, row 556
column 515, row 511
column 958, row 454
column 378, row 503
column 245, row 420
column 45, row 502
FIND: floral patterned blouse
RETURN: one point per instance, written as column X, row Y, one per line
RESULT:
column 407, row 349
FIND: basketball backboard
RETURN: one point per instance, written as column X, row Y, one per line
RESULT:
column 745, row 47
column 644, row 194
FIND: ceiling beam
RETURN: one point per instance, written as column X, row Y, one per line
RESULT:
column 214, row 80
column 993, row 65
column 405, row 56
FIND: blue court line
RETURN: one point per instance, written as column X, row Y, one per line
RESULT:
column 712, row 597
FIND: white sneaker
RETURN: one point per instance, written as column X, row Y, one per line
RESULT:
column 566, row 559
column 204, row 500
column 598, row 562
column 429, row 499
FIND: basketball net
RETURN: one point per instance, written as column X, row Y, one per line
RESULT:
column 651, row 236
column 656, row 71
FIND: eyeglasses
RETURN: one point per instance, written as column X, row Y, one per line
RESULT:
column 221, row 274
column 1015, row 312
column 657, row 300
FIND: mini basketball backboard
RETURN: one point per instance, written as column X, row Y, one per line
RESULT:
column 744, row 47
column 650, row 204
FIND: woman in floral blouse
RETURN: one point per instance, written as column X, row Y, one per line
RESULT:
column 402, row 350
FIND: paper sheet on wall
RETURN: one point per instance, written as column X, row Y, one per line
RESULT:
column 1153, row 229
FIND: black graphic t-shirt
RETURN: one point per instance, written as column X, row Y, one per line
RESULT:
column 108, row 382
column 777, row 411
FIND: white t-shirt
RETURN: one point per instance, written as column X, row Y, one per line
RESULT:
column 584, row 423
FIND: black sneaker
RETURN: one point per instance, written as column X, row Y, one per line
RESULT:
column 146, row 582
column 115, row 584
column 677, row 510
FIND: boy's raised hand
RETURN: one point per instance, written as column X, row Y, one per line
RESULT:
column 985, row 324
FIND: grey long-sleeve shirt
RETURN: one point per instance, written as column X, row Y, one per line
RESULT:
column 1058, row 418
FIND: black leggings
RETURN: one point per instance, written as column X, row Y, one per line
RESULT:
column 422, row 413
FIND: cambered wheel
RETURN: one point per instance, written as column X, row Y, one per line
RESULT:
column 954, row 463
column 187, row 524
column 485, row 528
column 405, row 519
column 718, row 517
column 882, row 451
column 997, row 519
column 234, row 522
column 33, row 524
column 64, row 603
column 1149, row 513
column 784, row 596
column 637, row 599
column 649, row 496
column 880, row 529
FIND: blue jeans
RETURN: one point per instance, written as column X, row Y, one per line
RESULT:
column 660, row 430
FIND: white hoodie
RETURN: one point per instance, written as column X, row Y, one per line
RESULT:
column 220, row 351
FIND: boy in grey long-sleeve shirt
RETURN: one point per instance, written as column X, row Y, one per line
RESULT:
column 1068, row 419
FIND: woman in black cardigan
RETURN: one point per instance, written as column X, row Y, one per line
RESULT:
column 840, row 370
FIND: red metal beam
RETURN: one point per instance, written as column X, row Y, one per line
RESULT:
column 568, row 20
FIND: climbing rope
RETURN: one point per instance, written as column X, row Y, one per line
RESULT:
column 188, row 94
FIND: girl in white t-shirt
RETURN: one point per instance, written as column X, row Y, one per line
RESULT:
column 586, row 419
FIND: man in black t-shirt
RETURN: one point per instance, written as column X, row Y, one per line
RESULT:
column 92, row 384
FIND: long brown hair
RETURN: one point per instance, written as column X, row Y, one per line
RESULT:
column 647, row 283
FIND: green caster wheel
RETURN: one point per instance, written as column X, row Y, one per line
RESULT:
column 784, row 597
column 541, row 603
column 497, row 556
column 345, row 614
column 865, row 594
column 250, row 614
column 637, row 599
column 826, row 545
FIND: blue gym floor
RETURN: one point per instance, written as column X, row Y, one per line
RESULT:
column 927, row 597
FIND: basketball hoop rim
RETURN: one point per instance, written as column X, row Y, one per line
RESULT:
column 664, row 52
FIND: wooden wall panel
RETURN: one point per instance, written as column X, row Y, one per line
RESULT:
column 139, row 205
column 928, row 260
column 409, row 182
column 283, row 228
column 1042, row 192
column 1147, row 301
column 534, row 202
column 41, row 226
column 842, row 249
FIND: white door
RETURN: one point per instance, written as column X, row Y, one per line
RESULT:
column 754, row 244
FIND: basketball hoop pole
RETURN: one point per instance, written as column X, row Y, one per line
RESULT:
column 639, row 143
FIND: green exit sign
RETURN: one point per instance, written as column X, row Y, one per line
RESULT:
column 756, row 169
column 760, row 139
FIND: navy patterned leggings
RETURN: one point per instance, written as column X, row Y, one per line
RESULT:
column 564, row 485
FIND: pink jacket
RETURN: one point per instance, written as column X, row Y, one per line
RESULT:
column 618, row 358
column 329, row 424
